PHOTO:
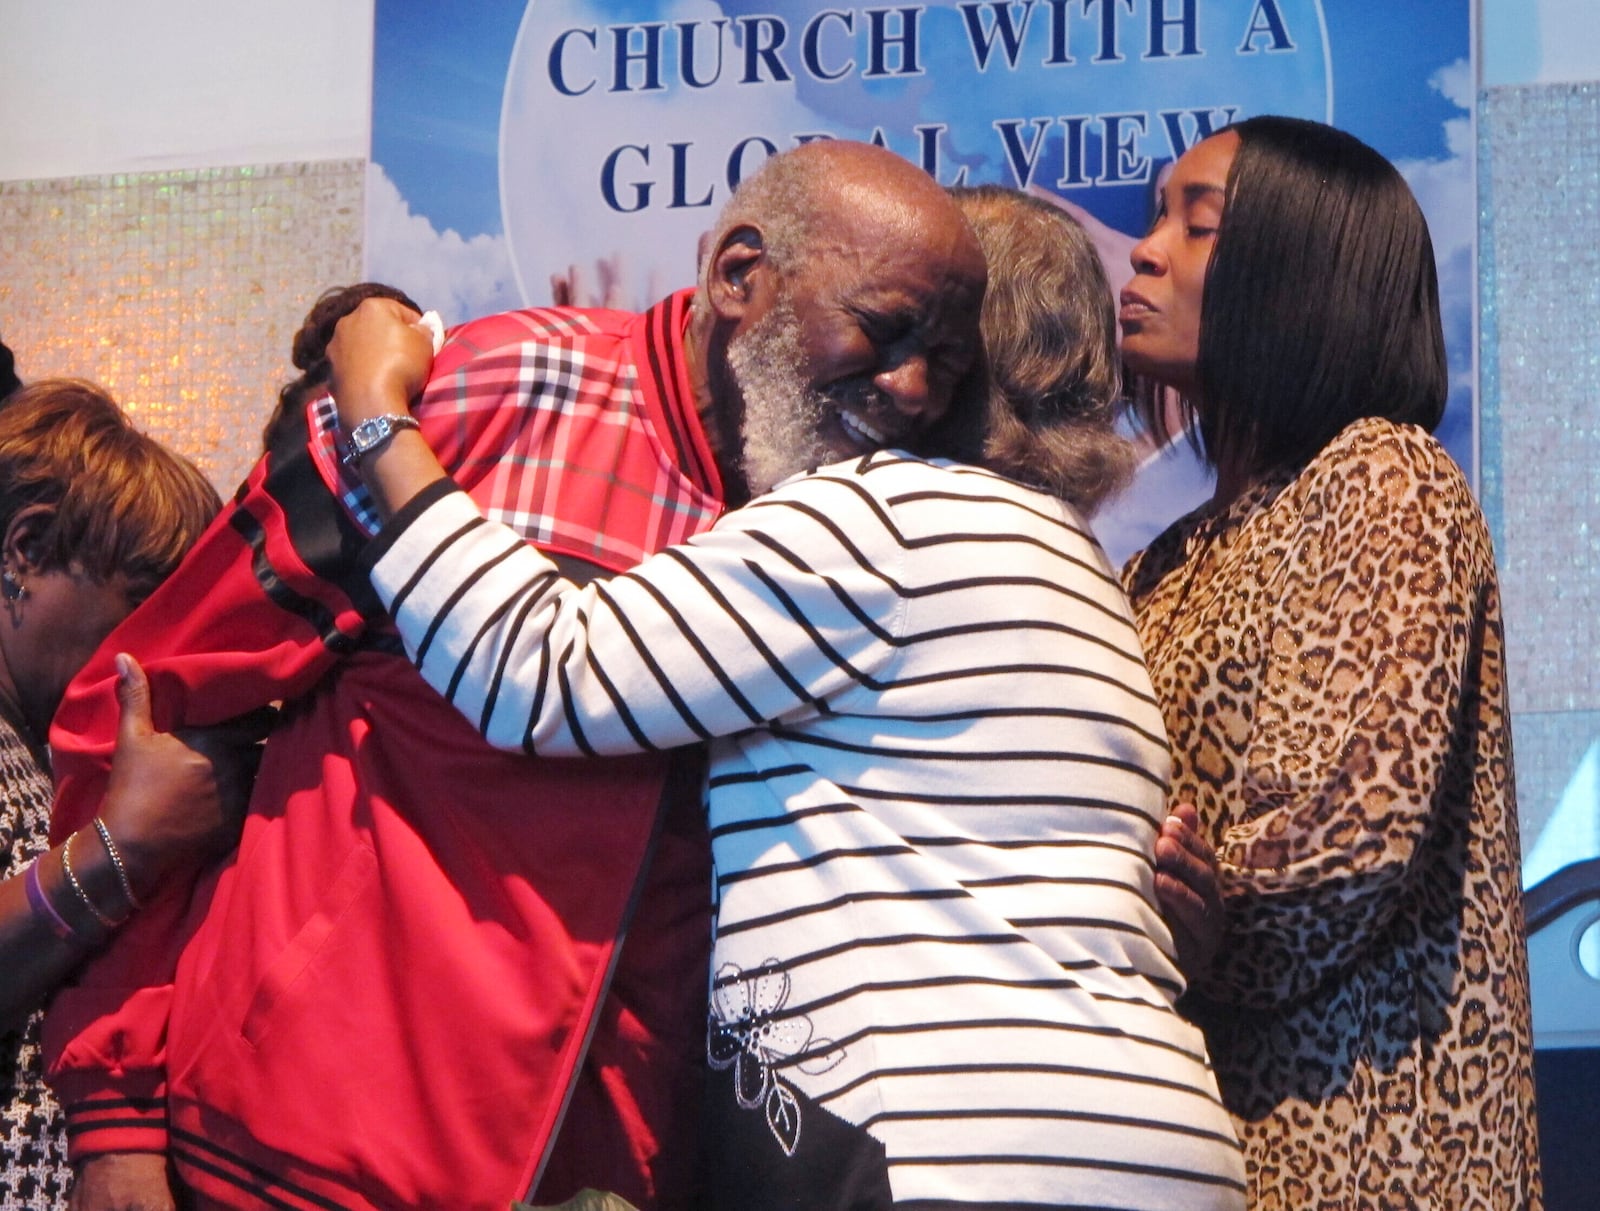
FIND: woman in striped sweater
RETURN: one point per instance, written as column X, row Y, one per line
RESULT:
column 937, row 770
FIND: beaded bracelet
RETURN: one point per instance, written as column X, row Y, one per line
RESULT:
column 116, row 863
column 77, row 887
column 41, row 906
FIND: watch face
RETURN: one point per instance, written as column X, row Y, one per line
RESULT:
column 369, row 433
column 373, row 432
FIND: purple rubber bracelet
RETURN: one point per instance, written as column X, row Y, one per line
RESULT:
column 40, row 903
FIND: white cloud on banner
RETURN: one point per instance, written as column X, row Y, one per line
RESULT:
column 1447, row 192
column 459, row 278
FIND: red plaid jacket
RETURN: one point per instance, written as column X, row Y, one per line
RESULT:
column 386, row 997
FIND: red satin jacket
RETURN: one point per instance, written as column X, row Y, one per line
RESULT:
column 411, row 974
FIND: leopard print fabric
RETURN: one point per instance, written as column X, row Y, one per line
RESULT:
column 1328, row 653
column 34, row 1175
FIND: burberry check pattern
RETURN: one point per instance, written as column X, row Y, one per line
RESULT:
column 523, row 404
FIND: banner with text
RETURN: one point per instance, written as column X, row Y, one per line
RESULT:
column 595, row 139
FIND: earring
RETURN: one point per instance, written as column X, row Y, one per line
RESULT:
column 11, row 586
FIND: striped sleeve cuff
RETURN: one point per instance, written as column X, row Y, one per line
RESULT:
column 117, row 1122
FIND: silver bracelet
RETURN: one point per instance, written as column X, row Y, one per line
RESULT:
column 116, row 863
column 77, row 887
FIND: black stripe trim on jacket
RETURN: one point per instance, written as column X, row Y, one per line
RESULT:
column 117, row 1103
column 663, row 323
column 319, row 530
column 290, row 600
column 115, row 1124
column 265, row 1179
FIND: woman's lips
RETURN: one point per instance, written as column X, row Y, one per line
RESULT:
column 1134, row 306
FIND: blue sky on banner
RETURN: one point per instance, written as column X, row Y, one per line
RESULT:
column 509, row 143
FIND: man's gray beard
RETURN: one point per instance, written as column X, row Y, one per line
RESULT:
column 781, row 431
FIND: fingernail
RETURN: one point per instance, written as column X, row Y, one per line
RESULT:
column 124, row 665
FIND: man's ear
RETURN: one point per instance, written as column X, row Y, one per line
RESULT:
column 24, row 534
column 736, row 262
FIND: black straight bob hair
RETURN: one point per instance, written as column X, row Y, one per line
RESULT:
column 1321, row 300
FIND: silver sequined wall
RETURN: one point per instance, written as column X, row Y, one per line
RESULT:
column 181, row 291
column 1539, row 267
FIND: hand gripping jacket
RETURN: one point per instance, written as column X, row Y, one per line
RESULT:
column 387, row 997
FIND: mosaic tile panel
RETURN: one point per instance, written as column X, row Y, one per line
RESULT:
column 1540, row 236
column 180, row 291
column 1539, row 261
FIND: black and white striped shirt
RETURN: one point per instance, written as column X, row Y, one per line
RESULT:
column 937, row 772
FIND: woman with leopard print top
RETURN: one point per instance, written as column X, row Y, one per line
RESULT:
column 1325, row 637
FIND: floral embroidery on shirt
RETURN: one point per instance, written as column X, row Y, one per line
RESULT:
column 748, row 1030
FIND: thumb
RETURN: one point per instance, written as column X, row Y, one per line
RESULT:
column 133, row 696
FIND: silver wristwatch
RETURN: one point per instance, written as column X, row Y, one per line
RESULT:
column 373, row 434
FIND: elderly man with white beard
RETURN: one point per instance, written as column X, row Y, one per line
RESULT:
column 936, row 767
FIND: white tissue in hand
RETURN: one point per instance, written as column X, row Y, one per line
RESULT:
column 435, row 326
